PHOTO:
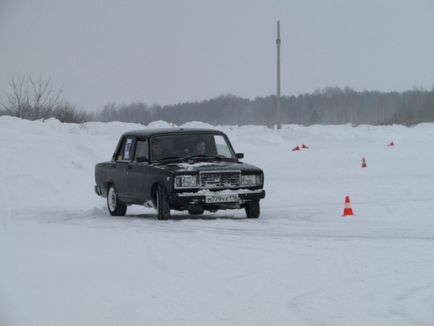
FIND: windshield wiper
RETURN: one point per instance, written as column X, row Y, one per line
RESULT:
column 202, row 156
column 171, row 158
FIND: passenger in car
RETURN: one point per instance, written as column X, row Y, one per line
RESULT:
column 199, row 148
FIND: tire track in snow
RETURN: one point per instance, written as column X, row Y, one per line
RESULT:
column 275, row 228
column 409, row 304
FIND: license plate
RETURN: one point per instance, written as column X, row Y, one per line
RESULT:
column 221, row 199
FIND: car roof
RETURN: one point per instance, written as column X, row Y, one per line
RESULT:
column 167, row 131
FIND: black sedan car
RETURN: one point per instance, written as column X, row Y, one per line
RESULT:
column 180, row 169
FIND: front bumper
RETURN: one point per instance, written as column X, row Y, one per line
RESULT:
column 238, row 198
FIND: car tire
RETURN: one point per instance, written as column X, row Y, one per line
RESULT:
column 199, row 211
column 162, row 203
column 253, row 209
column 114, row 205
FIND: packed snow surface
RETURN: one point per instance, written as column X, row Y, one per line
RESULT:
column 65, row 261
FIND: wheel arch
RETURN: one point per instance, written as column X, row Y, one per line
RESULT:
column 106, row 186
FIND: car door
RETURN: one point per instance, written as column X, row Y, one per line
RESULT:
column 140, row 172
column 121, row 168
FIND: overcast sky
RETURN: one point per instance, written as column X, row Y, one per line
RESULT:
column 168, row 52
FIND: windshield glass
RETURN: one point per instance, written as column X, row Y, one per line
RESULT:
column 190, row 146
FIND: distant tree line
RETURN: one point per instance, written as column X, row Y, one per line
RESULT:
column 331, row 105
column 35, row 99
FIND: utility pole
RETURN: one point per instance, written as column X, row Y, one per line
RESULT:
column 279, row 114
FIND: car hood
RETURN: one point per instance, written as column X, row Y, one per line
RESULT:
column 186, row 167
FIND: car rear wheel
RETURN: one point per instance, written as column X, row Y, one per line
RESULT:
column 114, row 205
column 253, row 209
column 162, row 203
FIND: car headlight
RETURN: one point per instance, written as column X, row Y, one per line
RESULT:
column 251, row 180
column 186, row 181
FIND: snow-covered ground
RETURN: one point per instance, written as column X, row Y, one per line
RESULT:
column 65, row 261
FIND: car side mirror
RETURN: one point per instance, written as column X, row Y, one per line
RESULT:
column 239, row 155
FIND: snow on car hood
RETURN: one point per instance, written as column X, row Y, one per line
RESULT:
column 209, row 166
column 199, row 165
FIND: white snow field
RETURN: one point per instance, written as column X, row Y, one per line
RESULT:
column 65, row 261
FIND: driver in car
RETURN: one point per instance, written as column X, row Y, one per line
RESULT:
column 157, row 150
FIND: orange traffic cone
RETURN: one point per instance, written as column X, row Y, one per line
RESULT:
column 364, row 165
column 391, row 144
column 296, row 148
column 348, row 211
column 304, row 146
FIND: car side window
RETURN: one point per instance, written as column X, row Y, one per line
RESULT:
column 125, row 151
column 221, row 146
column 142, row 150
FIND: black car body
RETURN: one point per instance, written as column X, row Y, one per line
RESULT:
column 181, row 169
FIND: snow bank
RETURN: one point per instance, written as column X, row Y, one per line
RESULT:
column 65, row 261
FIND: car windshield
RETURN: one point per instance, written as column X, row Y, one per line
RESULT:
column 198, row 146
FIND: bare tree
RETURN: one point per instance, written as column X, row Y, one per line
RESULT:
column 16, row 102
column 66, row 112
column 30, row 99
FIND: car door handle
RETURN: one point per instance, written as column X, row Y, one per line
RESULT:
column 113, row 166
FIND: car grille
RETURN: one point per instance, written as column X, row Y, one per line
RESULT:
column 220, row 179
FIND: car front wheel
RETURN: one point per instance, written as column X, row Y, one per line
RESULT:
column 114, row 205
column 196, row 211
column 253, row 209
column 162, row 203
